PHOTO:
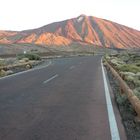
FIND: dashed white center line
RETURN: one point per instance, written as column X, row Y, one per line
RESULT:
column 48, row 80
column 72, row 67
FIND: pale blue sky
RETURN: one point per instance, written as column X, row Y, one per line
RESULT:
column 27, row 14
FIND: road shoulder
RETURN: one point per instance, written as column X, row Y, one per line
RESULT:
column 120, row 125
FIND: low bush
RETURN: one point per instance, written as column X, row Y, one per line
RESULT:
column 2, row 73
column 116, row 62
column 2, row 63
column 138, row 75
column 129, row 68
column 121, row 99
column 30, row 56
column 137, row 92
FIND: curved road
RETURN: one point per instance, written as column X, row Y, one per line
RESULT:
column 63, row 101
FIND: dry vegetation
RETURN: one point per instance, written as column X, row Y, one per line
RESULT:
column 21, row 62
column 128, row 66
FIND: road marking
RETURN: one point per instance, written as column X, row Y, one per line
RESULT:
column 112, row 120
column 72, row 67
column 41, row 67
column 48, row 80
column 22, row 72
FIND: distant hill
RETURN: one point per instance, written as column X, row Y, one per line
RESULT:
column 83, row 29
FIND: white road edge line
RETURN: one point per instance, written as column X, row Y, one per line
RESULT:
column 38, row 68
column 112, row 120
column 48, row 80
column 22, row 72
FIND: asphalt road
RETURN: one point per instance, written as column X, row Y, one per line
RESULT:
column 62, row 101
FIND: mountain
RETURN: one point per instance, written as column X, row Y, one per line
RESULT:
column 5, row 34
column 83, row 29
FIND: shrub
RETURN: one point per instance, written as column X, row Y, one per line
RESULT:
column 128, row 74
column 138, row 75
column 2, row 73
column 125, row 56
column 130, row 78
column 9, row 72
column 129, row 68
column 137, row 64
column 25, row 59
column 121, row 99
column 137, row 82
column 30, row 56
column 28, row 66
column 137, row 92
column 117, row 62
column 132, row 81
column 2, row 63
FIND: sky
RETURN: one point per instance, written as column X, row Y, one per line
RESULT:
column 29, row 14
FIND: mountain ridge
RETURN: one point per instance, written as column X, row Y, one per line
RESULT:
column 82, row 29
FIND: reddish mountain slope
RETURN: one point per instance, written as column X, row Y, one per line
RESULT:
column 83, row 29
column 5, row 34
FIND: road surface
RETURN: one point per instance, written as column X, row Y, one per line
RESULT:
column 64, row 100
